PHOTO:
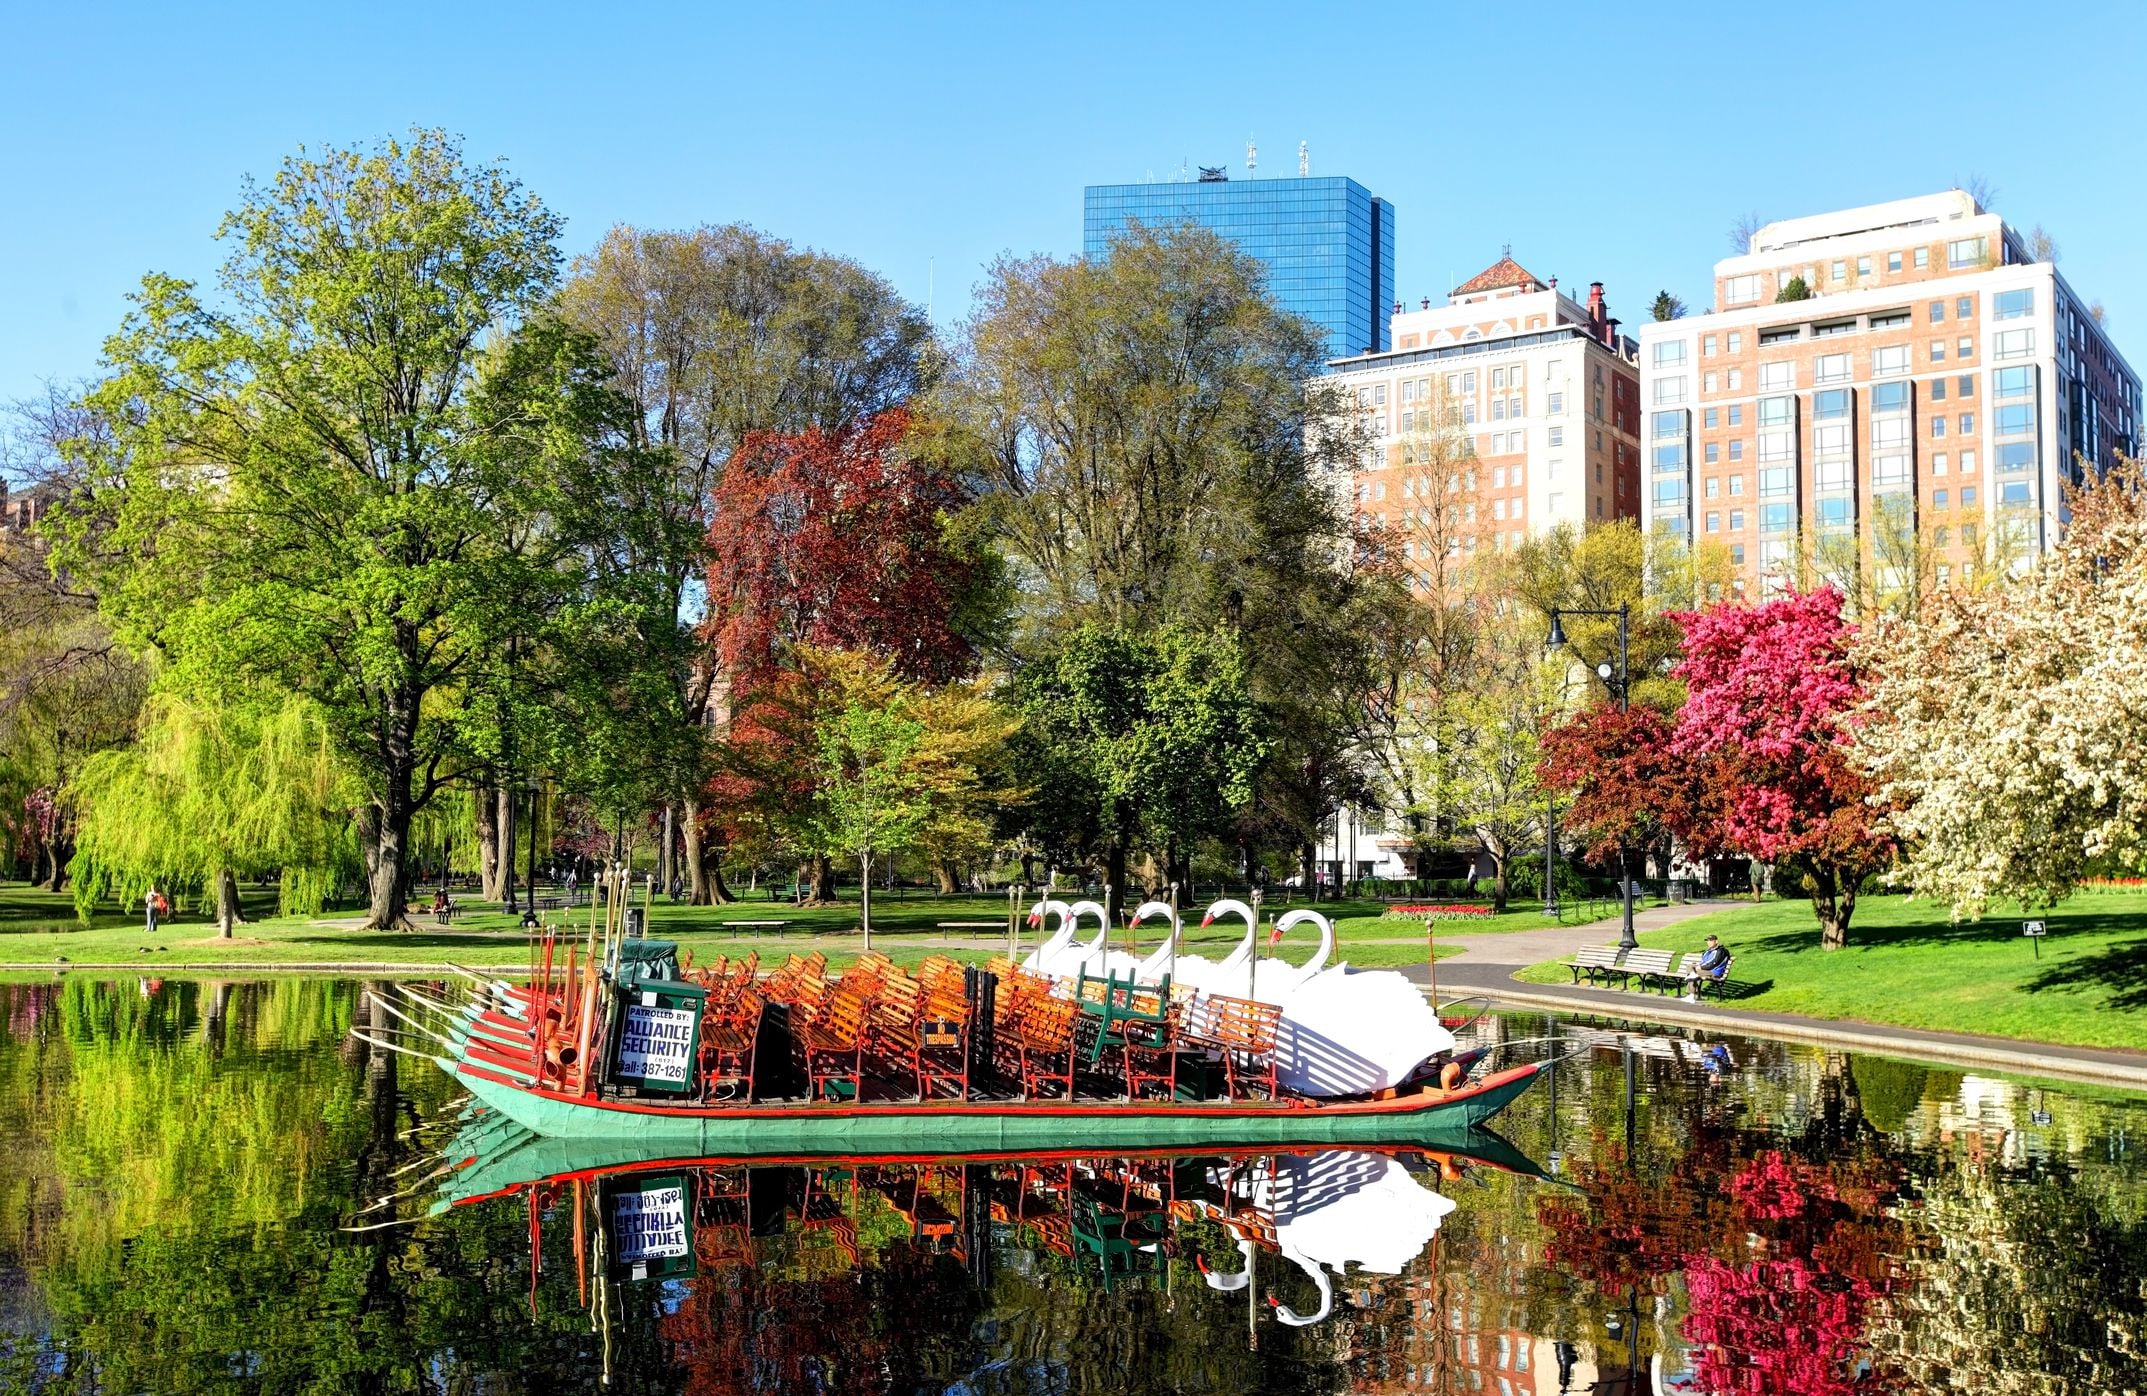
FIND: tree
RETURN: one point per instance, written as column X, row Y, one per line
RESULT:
column 308, row 485
column 1627, row 792
column 869, row 798
column 213, row 790
column 1910, row 554
column 1613, row 565
column 1149, row 736
column 2006, row 729
column 717, row 334
column 1483, row 753
column 1743, row 231
column 1151, row 445
column 1793, row 290
column 2042, row 247
column 1667, row 307
column 1770, row 693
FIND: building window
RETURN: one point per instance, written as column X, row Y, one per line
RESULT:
column 1714, row 525
column 1968, row 467
column 1737, row 556
column 1923, row 258
column 1938, row 351
column 1714, row 487
column 1774, row 518
column 1968, row 497
column 1708, row 418
column 2016, row 344
column 1964, row 348
column 1468, row 381
column 1938, row 311
column 1778, row 378
column 1965, row 252
column 1736, row 520
column 1964, row 307
column 1736, row 415
column 1893, row 261
column 1670, row 390
column 1889, row 360
column 1736, row 450
column 1558, row 436
column 1710, row 382
column 1938, row 499
column 1938, row 390
column 1707, row 346
column 1965, row 385
column 1831, row 368
column 2016, row 492
column 1735, row 342
column 2012, row 305
column 1832, row 403
column 1841, row 270
column 1938, row 463
column 1736, row 380
column 1498, row 409
column 1669, row 353
column 1468, row 413
column 1774, row 481
column 1736, row 290
column 1863, row 267
column 1498, row 378
column 1557, row 403
column 1967, row 424
column 1711, row 453
column 1938, row 427
column 1737, row 484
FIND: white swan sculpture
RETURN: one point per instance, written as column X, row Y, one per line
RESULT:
column 1067, row 959
column 1230, row 974
column 1158, row 964
column 1061, row 935
column 1275, row 980
column 1348, row 1032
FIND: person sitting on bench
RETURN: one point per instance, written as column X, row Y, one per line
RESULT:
column 1714, row 967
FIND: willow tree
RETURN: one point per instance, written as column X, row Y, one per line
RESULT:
column 309, row 487
column 210, row 793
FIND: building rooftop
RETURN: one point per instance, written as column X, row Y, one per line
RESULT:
column 1503, row 274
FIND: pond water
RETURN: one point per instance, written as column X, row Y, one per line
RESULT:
column 183, row 1164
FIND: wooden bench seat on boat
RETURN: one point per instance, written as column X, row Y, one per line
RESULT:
column 1242, row 1032
column 730, row 1037
column 832, row 1042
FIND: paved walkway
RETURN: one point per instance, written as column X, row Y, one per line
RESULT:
column 1488, row 963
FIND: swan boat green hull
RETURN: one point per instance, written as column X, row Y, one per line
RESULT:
column 969, row 1127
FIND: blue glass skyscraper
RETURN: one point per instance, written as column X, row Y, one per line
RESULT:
column 1327, row 244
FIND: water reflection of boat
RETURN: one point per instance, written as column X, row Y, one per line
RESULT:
column 1109, row 1219
column 630, row 1041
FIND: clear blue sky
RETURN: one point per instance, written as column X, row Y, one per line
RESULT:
column 1604, row 142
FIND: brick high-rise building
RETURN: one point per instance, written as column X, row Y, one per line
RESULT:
column 1920, row 406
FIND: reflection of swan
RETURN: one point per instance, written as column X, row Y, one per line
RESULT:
column 1339, row 1208
column 1228, row 975
column 1347, row 1031
column 1060, row 938
column 1276, row 981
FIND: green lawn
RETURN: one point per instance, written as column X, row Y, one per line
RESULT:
column 1906, row 965
column 37, row 929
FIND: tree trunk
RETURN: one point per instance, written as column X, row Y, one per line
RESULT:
column 390, row 883
column 696, row 853
column 227, row 903
column 943, row 877
column 823, row 888
column 503, row 805
column 665, row 862
column 1308, row 868
column 59, row 851
column 1114, row 881
column 1834, row 900
column 864, row 895
column 488, row 859
column 1498, row 882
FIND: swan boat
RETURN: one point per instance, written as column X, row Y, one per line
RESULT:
column 628, row 1043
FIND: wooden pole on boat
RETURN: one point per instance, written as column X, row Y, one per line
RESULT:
column 1431, row 958
column 1252, row 964
column 581, row 1245
column 1013, row 923
column 1172, row 962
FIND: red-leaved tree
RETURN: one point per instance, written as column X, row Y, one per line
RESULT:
column 1628, row 791
column 1769, row 692
column 837, row 540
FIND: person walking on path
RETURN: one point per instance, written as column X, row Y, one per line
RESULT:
column 154, row 908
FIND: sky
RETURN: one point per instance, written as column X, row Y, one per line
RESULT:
column 1612, row 143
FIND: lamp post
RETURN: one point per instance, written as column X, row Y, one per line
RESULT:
column 1619, row 680
column 1550, row 855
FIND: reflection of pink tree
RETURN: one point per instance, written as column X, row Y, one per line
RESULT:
column 1782, row 1258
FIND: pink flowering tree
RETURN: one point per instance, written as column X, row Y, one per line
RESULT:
column 1770, row 689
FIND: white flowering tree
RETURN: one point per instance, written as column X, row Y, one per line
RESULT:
column 2008, row 727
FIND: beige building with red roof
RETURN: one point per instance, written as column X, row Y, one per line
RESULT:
column 1509, row 409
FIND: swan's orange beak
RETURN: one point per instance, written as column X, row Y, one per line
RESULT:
column 1036, row 918
column 1205, row 920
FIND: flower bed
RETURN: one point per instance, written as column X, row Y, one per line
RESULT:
column 1440, row 911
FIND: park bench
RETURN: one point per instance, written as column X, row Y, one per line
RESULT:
column 1598, row 962
column 970, row 925
column 1689, row 972
column 1649, row 967
column 781, row 927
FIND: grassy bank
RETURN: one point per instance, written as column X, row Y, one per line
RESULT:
column 38, row 929
column 1906, row 966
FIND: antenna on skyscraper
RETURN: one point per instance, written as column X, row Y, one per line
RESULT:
column 1304, row 160
column 1252, row 156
